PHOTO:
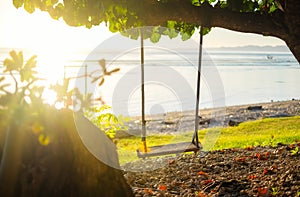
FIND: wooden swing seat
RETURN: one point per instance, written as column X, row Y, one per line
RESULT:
column 175, row 148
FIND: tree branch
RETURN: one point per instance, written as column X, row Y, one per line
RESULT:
column 15, row 80
column 155, row 13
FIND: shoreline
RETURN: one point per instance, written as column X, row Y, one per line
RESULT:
column 174, row 122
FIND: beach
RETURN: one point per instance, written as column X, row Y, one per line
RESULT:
column 175, row 122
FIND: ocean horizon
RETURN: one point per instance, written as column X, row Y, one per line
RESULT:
column 230, row 76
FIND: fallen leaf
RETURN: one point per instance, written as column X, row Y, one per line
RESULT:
column 261, row 157
column 148, row 191
column 291, row 146
column 212, row 191
column 202, row 173
column 201, row 194
column 266, row 171
column 263, row 191
column 205, row 182
column 249, row 148
column 162, row 187
column 171, row 162
column 251, row 177
column 257, row 155
column 240, row 159
column 274, row 167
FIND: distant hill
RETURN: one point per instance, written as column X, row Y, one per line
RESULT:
column 280, row 48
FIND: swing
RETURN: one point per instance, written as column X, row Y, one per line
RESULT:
column 176, row 148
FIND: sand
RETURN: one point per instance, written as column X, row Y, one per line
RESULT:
column 175, row 122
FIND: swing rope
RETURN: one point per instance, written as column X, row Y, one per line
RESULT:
column 195, row 136
column 143, row 94
column 195, row 139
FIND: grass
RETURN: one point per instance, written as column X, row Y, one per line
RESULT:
column 269, row 131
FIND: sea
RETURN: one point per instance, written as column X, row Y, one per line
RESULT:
column 228, row 76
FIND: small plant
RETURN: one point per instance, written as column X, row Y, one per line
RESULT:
column 105, row 120
column 295, row 151
column 22, row 99
column 274, row 191
column 24, row 90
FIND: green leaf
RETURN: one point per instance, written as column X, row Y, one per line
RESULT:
column 155, row 37
column 10, row 65
column 131, row 33
column 103, row 108
column 212, row 1
column 29, row 6
column 18, row 3
column 27, row 74
column 50, row 2
column 114, row 119
column 273, row 8
column 112, row 27
column 88, row 25
column 31, row 63
column 172, row 33
column 17, row 58
column 196, row 2
column 15, row 63
column 171, row 24
column 185, row 36
column 56, row 13
column 206, row 30
column 20, row 59
column 295, row 151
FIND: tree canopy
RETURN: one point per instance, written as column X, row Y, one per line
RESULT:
column 278, row 18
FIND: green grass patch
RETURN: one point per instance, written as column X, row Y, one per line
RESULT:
column 269, row 131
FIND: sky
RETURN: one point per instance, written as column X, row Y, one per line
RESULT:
column 39, row 31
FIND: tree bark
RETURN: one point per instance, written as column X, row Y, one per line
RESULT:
column 10, row 160
column 64, row 167
column 292, row 21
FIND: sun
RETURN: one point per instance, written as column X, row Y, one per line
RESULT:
column 53, row 42
column 50, row 65
column 49, row 97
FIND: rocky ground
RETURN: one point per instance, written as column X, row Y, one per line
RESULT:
column 254, row 171
column 227, row 116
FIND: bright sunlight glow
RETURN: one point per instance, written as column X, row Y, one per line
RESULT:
column 55, row 43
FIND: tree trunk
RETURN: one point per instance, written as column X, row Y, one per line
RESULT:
column 10, row 160
column 64, row 167
column 292, row 21
column 294, row 46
